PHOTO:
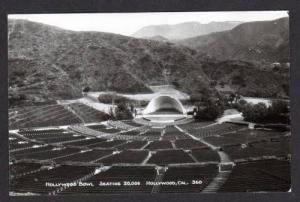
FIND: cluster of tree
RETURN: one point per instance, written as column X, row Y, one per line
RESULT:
column 278, row 112
column 210, row 109
column 122, row 112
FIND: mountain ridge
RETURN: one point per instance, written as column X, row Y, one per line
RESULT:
column 183, row 30
column 262, row 41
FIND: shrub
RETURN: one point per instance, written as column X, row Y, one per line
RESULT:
column 86, row 89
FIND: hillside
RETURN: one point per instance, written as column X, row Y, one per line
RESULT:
column 263, row 42
column 183, row 30
column 247, row 79
column 47, row 63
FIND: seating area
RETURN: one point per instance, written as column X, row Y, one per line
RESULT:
column 258, row 176
column 243, row 137
column 32, row 133
column 85, row 142
column 213, row 130
column 48, row 154
column 31, row 150
column 195, row 125
column 87, row 113
column 127, row 151
column 205, row 155
column 18, row 169
column 155, row 133
column 188, row 144
column 204, row 173
column 120, row 125
column 132, row 123
column 62, row 138
column 118, row 174
column 172, row 133
column 131, row 132
column 248, row 135
column 165, row 157
column 132, row 145
column 103, row 128
column 259, row 149
column 220, row 141
column 85, row 156
column 126, row 156
column 19, row 144
column 155, row 145
column 36, row 182
column 41, row 116
column 107, row 144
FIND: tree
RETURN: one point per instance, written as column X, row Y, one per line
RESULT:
column 255, row 113
column 211, row 110
column 277, row 113
column 122, row 112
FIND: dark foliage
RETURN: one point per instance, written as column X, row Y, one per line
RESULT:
column 278, row 112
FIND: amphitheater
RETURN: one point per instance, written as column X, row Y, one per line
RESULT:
column 73, row 148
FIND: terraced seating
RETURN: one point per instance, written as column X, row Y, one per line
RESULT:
column 53, row 136
column 85, row 156
column 220, row 141
column 103, row 128
column 63, row 138
column 19, row 144
column 18, row 169
column 195, row 125
column 41, row 134
column 159, row 145
column 258, row 149
column 31, row 150
column 188, row 144
column 172, row 133
column 85, row 142
column 88, row 114
column 154, row 133
column 118, row 174
column 249, row 135
column 132, row 145
column 38, row 131
column 280, row 147
column 242, row 137
column 132, row 133
column 132, row 123
column 120, row 125
column 41, row 116
column 126, row 156
column 107, row 144
column 267, row 175
column 49, row 154
column 205, row 154
column 213, row 130
column 165, row 157
column 36, row 182
column 204, row 173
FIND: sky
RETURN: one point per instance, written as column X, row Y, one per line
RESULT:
column 129, row 23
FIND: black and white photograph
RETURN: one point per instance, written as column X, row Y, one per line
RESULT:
column 149, row 103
